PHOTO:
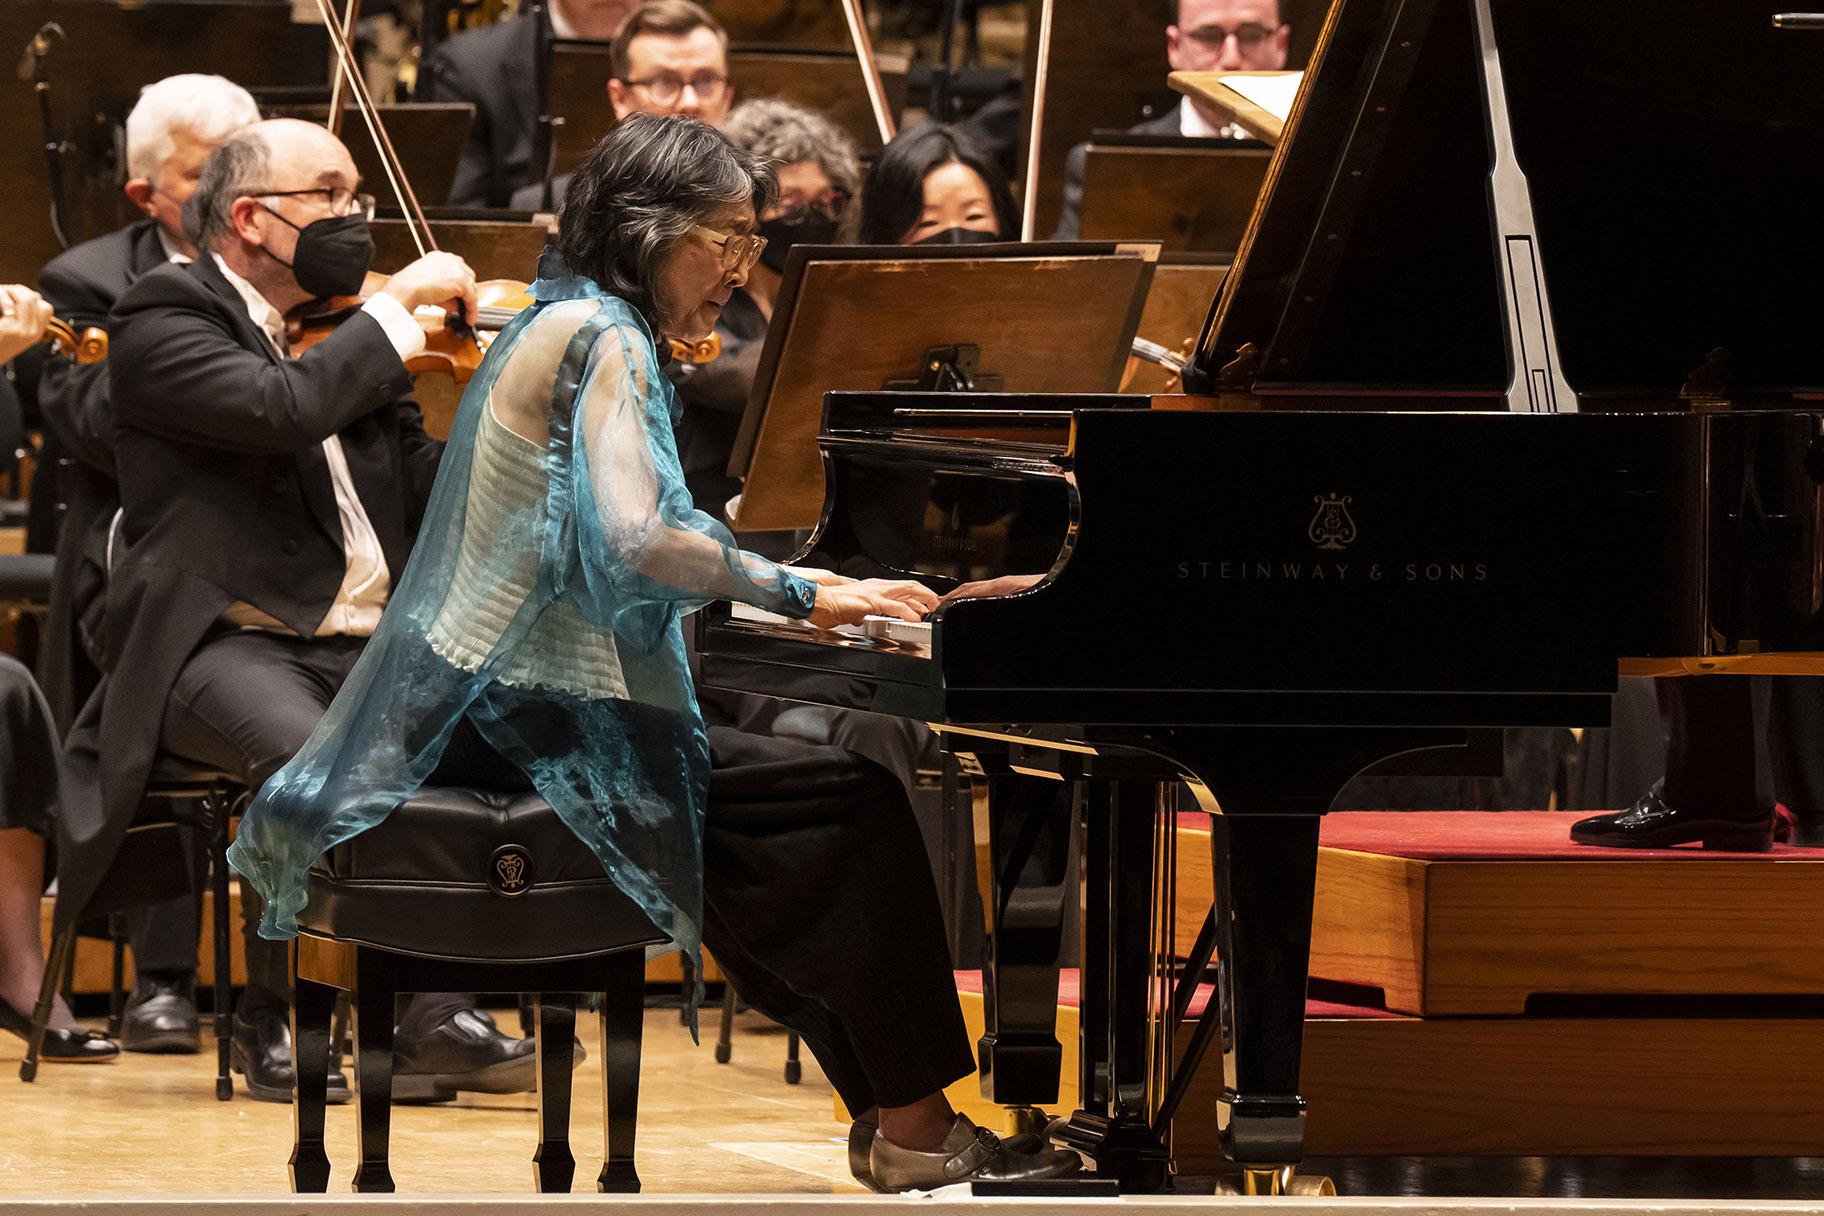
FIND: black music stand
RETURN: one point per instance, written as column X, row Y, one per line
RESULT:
column 829, row 82
column 1193, row 195
column 1019, row 318
column 429, row 137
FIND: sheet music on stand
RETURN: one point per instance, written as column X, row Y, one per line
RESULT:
column 1026, row 318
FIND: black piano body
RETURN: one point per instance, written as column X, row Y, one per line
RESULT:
column 1262, row 603
column 1377, row 530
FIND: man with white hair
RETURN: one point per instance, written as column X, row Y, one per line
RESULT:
column 172, row 129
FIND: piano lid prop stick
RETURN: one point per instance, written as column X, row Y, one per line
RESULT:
column 1029, row 202
column 870, row 70
column 1798, row 21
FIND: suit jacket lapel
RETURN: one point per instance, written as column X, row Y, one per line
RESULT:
column 313, row 466
column 148, row 251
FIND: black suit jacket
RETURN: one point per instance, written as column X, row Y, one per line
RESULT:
column 494, row 68
column 225, row 496
column 82, row 284
column 1070, row 218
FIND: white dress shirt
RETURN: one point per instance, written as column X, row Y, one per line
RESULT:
column 366, row 582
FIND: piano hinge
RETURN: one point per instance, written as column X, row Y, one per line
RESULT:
column 1241, row 371
column 1706, row 389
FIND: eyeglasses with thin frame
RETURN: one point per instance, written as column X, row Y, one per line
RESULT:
column 1249, row 36
column 740, row 250
column 667, row 87
column 342, row 201
column 830, row 204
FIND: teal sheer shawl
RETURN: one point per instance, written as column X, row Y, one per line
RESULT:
column 542, row 600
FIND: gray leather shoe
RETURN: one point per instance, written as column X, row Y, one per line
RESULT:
column 861, row 1146
column 969, row 1152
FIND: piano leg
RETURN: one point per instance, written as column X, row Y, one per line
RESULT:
column 1266, row 874
column 1024, row 900
column 1114, row 1124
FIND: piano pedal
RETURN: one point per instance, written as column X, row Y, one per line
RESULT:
column 1275, row 1180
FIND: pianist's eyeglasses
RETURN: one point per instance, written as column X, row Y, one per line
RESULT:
column 341, row 201
column 740, row 250
column 1249, row 36
column 667, row 87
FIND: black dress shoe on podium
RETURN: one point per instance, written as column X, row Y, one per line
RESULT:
column 261, row 1052
column 161, row 1016
column 466, row 1051
column 1654, row 823
column 77, row 1046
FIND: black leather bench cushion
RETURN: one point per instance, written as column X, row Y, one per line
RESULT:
column 472, row 875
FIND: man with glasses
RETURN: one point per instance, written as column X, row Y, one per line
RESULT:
column 1204, row 36
column 170, row 132
column 670, row 57
column 269, row 499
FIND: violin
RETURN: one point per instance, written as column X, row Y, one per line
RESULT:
column 85, row 348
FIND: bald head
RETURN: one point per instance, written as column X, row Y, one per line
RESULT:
column 277, row 155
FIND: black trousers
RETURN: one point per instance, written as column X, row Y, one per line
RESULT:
column 1712, row 724
column 247, row 702
column 818, row 904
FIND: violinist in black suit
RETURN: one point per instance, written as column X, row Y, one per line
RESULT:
column 267, row 504
column 170, row 132
column 1204, row 36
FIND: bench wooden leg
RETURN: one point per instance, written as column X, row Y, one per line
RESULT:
column 554, row 1029
column 311, row 1008
column 373, row 1016
column 623, row 1021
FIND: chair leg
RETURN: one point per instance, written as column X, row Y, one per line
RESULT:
column 623, row 1022
column 117, row 989
column 338, row 1032
column 220, row 804
column 311, row 1007
column 794, row 1070
column 373, row 1011
column 63, row 948
column 554, row 1032
column 725, row 1035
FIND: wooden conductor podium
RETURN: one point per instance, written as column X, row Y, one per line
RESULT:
column 1026, row 318
column 1191, row 195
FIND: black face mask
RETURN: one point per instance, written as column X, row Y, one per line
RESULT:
column 332, row 256
column 805, row 226
column 959, row 236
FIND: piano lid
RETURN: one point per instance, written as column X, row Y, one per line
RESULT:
column 1675, row 157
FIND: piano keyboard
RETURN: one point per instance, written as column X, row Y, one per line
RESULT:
column 884, row 628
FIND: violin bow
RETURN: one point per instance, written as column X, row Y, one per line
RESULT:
column 870, row 70
column 351, row 16
column 1029, row 201
column 389, row 159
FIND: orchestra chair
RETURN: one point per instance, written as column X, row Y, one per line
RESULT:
column 182, row 799
column 463, row 890
column 725, row 1037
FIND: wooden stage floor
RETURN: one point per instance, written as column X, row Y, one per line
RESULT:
column 150, row 1125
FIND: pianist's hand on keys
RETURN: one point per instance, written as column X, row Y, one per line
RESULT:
column 849, row 603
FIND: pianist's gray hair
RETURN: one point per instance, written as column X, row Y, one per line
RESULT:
column 790, row 135
column 238, row 165
column 641, row 189
column 204, row 107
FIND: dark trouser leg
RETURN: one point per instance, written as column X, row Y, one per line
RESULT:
column 164, row 937
column 1709, row 745
column 820, row 906
column 247, row 702
column 1795, row 744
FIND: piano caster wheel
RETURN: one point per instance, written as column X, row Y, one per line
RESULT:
column 1275, row 1180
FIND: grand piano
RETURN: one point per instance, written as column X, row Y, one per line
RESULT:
column 1517, row 382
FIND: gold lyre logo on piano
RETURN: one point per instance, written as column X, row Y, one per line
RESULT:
column 1332, row 527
